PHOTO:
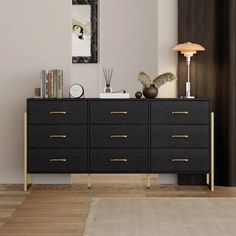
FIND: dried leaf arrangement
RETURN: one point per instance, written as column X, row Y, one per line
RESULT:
column 150, row 89
column 108, row 75
column 158, row 81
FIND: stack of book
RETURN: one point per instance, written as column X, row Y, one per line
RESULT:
column 51, row 84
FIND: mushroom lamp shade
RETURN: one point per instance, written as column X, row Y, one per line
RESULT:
column 188, row 50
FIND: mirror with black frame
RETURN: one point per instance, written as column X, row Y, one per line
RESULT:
column 84, row 31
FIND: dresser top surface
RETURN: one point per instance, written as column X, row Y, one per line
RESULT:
column 115, row 99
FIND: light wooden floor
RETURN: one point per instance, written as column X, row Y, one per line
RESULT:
column 61, row 210
column 10, row 198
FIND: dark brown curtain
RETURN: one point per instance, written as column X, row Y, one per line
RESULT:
column 213, row 75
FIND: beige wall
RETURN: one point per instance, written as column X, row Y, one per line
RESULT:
column 167, row 24
column 34, row 35
column 167, row 19
column 134, row 35
column 127, row 43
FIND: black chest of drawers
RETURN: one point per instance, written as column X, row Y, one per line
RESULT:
column 119, row 136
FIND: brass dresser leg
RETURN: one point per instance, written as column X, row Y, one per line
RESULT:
column 212, row 152
column 148, row 181
column 89, row 181
column 208, row 179
column 27, row 177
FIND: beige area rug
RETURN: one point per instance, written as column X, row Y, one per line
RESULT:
column 162, row 217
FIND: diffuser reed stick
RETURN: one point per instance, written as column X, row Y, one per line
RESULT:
column 108, row 76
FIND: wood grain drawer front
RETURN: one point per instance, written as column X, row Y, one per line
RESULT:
column 119, row 112
column 57, row 112
column 118, row 160
column 61, row 136
column 180, row 160
column 180, row 112
column 180, row 136
column 57, row 161
column 130, row 136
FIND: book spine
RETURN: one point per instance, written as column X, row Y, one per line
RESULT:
column 54, row 83
column 60, row 84
column 57, row 78
column 42, row 80
column 52, row 95
column 46, row 84
column 49, row 84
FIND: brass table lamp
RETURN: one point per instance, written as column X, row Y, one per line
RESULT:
column 188, row 49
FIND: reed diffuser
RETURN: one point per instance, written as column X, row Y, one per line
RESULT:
column 108, row 75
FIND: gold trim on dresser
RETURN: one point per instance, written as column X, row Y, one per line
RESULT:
column 27, row 177
column 208, row 179
column 148, row 181
column 119, row 136
column 57, row 112
column 119, row 112
column 180, row 160
column 57, row 160
column 179, row 112
column 180, row 136
column 119, row 160
column 210, row 176
column 58, row 136
column 89, row 181
column 212, row 151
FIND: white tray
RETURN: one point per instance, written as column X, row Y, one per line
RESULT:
column 114, row 95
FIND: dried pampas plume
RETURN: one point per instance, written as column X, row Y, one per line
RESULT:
column 163, row 78
column 158, row 81
column 144, row 79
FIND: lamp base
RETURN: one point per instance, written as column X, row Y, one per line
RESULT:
column 188, row 97
column 187, row 89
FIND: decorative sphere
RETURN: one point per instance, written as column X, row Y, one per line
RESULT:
column 138, row 94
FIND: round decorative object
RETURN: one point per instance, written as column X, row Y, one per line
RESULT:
column 138, row 94
column 76, row 91
column 150, row 92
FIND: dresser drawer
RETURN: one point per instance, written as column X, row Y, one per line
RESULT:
column 119, row 112
column 180, row 160
column 180, row 112
column 57, row 112
column 180, row 136
column 118, row 160
column 57, row 161
column 119, row 136
column 48, row 136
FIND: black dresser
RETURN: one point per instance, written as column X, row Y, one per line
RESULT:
column 119, row 136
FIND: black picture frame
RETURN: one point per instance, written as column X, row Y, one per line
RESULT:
column 94, row 22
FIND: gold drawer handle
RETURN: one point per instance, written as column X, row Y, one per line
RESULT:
column 119, row 112
column 119, row 136
column 180, row 160
column 57, row 160
column 57, row 136
column 119, row 160
column 179, row 112
column 180, row 136
column 57, row 112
